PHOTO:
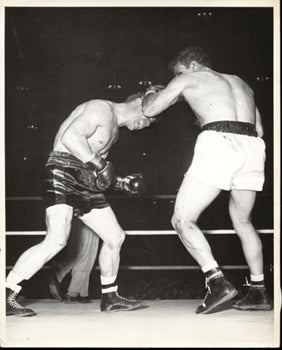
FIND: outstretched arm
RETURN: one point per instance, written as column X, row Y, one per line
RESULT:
column 154, row 103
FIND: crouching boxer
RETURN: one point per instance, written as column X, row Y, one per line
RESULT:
column 229, row 155
column 76, row 174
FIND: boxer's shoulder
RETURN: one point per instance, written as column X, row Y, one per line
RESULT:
column 100, row 109
column 99, row 104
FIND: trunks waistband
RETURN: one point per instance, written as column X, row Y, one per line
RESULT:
column 231, row 126
column 65, row 159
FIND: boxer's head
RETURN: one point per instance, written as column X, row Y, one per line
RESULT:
column 136, row 119
column 188, row 60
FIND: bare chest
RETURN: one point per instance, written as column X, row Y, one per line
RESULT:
column 103, row 139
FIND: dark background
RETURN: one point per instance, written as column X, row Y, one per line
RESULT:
column 57, row 58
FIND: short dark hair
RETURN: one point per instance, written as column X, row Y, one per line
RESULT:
column 135, row 96
column 192, row 53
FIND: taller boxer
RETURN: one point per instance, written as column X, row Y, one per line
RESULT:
column 229, row 155
column 75, row 177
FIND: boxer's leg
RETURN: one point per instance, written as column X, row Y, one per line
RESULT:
column 240, row 207
column 104, row 223
column 193, row 198
column 58, row 221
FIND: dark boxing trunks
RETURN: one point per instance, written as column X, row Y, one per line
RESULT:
column 233, row 127
column 67, row 180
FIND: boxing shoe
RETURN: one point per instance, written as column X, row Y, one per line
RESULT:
column 13, row 308
column 256, row 299
column 114, row 302
column 78, row 299
column 219, row 292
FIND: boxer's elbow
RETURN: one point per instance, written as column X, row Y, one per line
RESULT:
column 260, row 134
column 259, row 130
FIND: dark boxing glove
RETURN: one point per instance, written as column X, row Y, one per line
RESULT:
column 104, row 171
column 131, row 184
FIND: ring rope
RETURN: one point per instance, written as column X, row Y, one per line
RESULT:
column 144, row 232
column 161, row 268
column 154, row 196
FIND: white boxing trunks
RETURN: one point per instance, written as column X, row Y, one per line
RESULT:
column 229, row 160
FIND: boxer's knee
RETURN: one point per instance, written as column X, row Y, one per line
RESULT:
column 56, row 238
column 183, row 225
column 242, row 225
column 58, row 222
column 175, row 222
column 55, row 244
column 115, row 240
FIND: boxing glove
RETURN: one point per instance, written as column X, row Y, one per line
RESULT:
column 104, row 171
column 131, row 184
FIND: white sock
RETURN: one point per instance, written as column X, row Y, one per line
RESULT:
column 209, row 266
column 257, row 278
column 107, row 280
column 108, row 284
column 12, row 282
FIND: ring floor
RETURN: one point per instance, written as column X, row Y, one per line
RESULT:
column 161, row 323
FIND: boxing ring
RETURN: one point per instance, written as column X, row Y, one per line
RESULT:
column 159, row 323
column 163, row 323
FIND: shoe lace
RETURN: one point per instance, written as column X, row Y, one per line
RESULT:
column 247, row 283
column 125, row 299
column 207, row 293
column 12, row 301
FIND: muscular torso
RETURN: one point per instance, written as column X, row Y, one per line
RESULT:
column 105, row 135
column 214, row 96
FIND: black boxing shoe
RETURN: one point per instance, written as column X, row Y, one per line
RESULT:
column 55, row 286
column 256, row 299
column 13, row 308
column 114, row 302
column 219, row 292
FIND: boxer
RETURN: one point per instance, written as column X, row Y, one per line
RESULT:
column 229, row 155
column 75, row 177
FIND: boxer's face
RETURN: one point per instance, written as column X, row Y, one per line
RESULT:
column 139, row 122
column 180, row 68
column 142, row 123
column 136, row 118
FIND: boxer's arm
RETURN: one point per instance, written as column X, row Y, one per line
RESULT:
column 154, row 103
column 75, row 137
column 259, row 127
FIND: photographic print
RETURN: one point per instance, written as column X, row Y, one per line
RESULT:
column 140, row 174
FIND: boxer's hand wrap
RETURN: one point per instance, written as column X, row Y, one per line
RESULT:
column 104, row 171
column 131, row 184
